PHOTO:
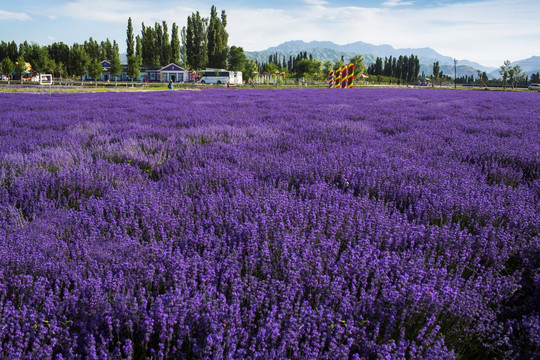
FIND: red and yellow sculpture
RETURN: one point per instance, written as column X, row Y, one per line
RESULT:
column 342, row 78
column 337, row 83
column 351, row 76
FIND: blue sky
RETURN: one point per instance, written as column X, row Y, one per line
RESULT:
column 487, row 31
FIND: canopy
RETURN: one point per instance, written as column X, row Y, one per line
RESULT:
column 363, row 76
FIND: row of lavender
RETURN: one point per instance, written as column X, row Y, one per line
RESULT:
column 270, row 224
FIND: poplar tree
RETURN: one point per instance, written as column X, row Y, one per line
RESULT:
column 129, row 40
column 158, row 44
column 175, row 44
column 116, row 66
column 165, row 47
column 134, row 61
column 217, row 40
column 195, row 41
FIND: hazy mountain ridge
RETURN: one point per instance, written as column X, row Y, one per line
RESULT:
column 328, row 50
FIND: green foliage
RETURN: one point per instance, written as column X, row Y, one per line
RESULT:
column 39, row 59
column 7, row 67
column 338, row 64
column 436, row 69
column 175, row 45
column 250, row 70
column 309, row 68
column 20, row 66
column 359, row 65
column 217, row 38
column 129, row 40
column 195, row 41
column 78, row 60
column 116, row 66
column 236, row 58
column 134, row 63
column 95, row 69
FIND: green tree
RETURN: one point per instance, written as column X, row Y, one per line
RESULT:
column 436, row 70
column 20, row 66
column 504, row 70
column 166, row 48
column 237, row 58
column 59, row 52
column 7, row 67
column 39, row 59
column 338, row 65
column 359, row 65
column 195, row 41
column 139, row 49
column 327, row 67
column 217, row 39
column 116, row 66
column 250, row 71
column 106, row 50
column 12, row 51
column 515, row 74
column 92, row 49
column 183, row 48
column 148, row 42
column 60, row 70
column 309, row 68
column 95, row 69
column 79, row 60
column 129, row 40
column 133, row 67
column 175, row 45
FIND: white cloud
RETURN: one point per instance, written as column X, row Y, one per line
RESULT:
column 118, row 11
column 6, row 15
column 50, row 37
column 486, row 31
column 316, row 2
column 392, row 3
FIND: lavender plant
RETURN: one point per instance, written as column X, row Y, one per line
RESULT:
column 290, row 224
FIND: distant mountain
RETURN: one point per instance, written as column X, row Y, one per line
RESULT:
column 327, row 50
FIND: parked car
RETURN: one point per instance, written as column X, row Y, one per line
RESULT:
column 534, row 86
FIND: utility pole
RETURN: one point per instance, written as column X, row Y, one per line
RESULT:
column 455, row 73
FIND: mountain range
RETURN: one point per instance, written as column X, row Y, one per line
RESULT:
column 327, row 50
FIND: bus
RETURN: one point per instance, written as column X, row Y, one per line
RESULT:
column 216, row 77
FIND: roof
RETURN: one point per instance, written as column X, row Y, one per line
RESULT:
column 172, row 67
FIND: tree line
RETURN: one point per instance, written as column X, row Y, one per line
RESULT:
column 58, row 58
column 203, row 43
column 406, row 68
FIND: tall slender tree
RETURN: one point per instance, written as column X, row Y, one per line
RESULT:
column 196, row 41
column 217, row 39
column 175, row 44
column 165, row 46
column 116, row 66
column 129, row 40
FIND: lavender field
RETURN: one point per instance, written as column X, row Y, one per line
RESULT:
column 270, row 224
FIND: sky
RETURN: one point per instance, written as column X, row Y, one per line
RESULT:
column 485, row 31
